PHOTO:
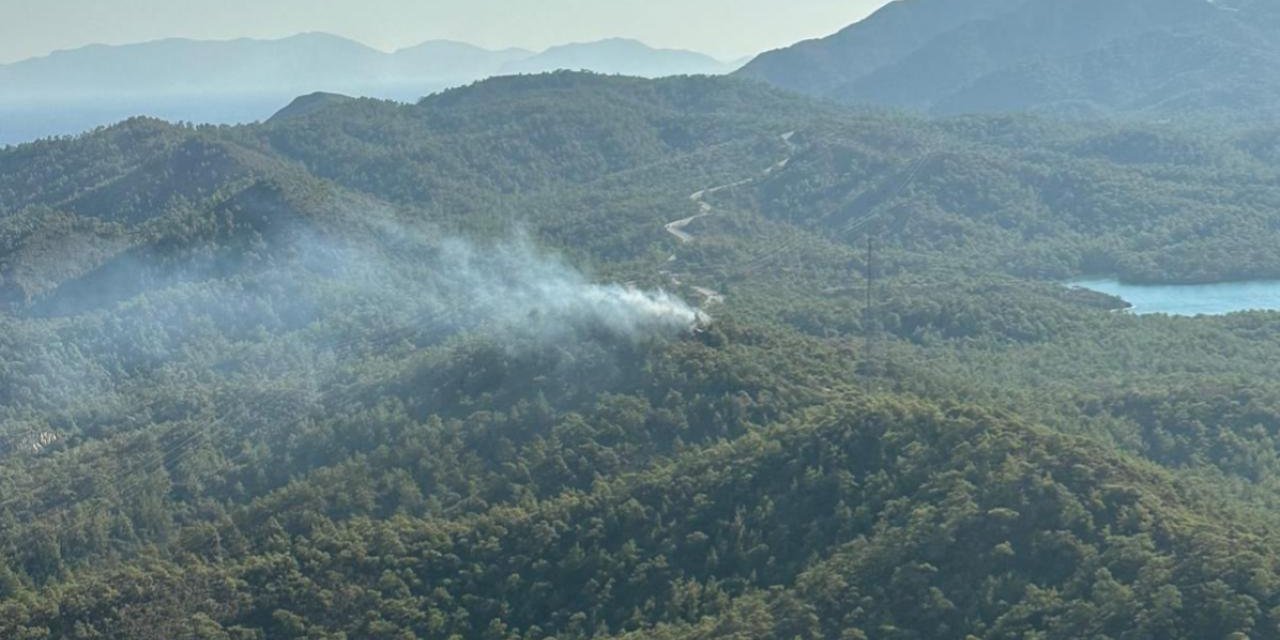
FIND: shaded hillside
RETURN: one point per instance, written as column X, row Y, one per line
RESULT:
column 1083, row 59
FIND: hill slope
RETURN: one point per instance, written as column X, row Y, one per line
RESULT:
column 1078, row 58
column 384, row 370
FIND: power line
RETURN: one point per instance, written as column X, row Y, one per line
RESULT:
column 855, row 224
column 871, row 273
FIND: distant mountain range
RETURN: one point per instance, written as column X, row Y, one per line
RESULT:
column 619, row 56
column 314, row 62
column 1083, row 58
column 243, row 80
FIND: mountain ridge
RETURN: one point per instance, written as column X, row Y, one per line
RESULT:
column 246, row 79
column 623, row 56
column 1081, row 59
column 452, row 61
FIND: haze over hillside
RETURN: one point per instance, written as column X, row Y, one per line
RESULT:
column 244, row 80
column 386, row 350
column 578, row 356
column 1084, row 59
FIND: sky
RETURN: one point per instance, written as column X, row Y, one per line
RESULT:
column 728, row 29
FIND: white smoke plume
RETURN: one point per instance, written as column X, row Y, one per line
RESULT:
column 303, row 316
column 512, row 287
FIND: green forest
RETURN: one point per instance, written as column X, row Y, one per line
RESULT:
column 575, row 356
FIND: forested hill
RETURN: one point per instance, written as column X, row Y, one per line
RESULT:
column 1149, row 58
column 571, row 356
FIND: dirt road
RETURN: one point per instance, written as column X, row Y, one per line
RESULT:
column 677, row 227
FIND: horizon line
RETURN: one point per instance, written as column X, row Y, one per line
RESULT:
column 353, row 40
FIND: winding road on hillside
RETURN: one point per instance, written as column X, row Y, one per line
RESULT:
column 678, row 228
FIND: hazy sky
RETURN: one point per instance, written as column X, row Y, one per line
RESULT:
column 725, row 28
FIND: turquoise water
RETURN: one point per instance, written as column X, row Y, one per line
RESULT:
column 1193, row 299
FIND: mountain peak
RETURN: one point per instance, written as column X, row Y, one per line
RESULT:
column 445, row 45
column 619, row 56
column 306, row 105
